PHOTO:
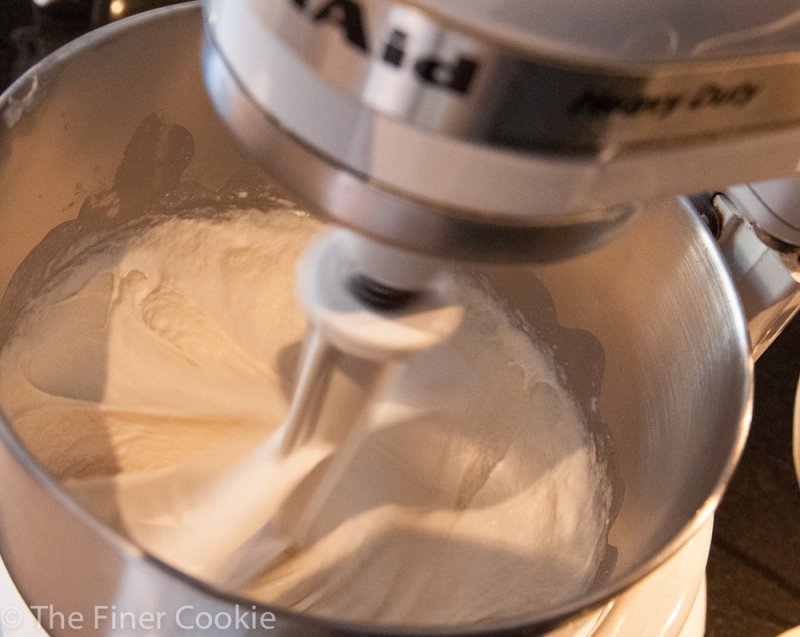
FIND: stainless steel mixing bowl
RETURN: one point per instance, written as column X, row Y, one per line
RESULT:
column 650, row 324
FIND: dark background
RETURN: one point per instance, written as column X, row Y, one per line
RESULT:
column 754, row 568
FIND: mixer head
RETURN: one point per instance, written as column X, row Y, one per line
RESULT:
column 505, row 130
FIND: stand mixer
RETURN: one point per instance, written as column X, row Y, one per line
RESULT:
column 557, row 185
column 553, row 131
column 550, row 126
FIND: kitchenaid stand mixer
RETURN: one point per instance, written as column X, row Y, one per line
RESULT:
column 550, row 138
column 552, row 131
column 456, row 230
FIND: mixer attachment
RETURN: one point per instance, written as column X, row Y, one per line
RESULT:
column 229, row 523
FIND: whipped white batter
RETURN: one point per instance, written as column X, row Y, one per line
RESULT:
column 161, row 354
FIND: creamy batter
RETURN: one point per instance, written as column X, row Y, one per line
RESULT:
column 158, row 356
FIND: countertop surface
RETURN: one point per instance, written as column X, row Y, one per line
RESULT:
column 754, row 568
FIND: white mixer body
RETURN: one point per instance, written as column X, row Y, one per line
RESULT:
column 490, row 115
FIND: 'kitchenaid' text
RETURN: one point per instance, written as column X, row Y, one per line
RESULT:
column 454, row 74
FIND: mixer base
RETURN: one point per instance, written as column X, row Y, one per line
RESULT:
column 696, row 623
